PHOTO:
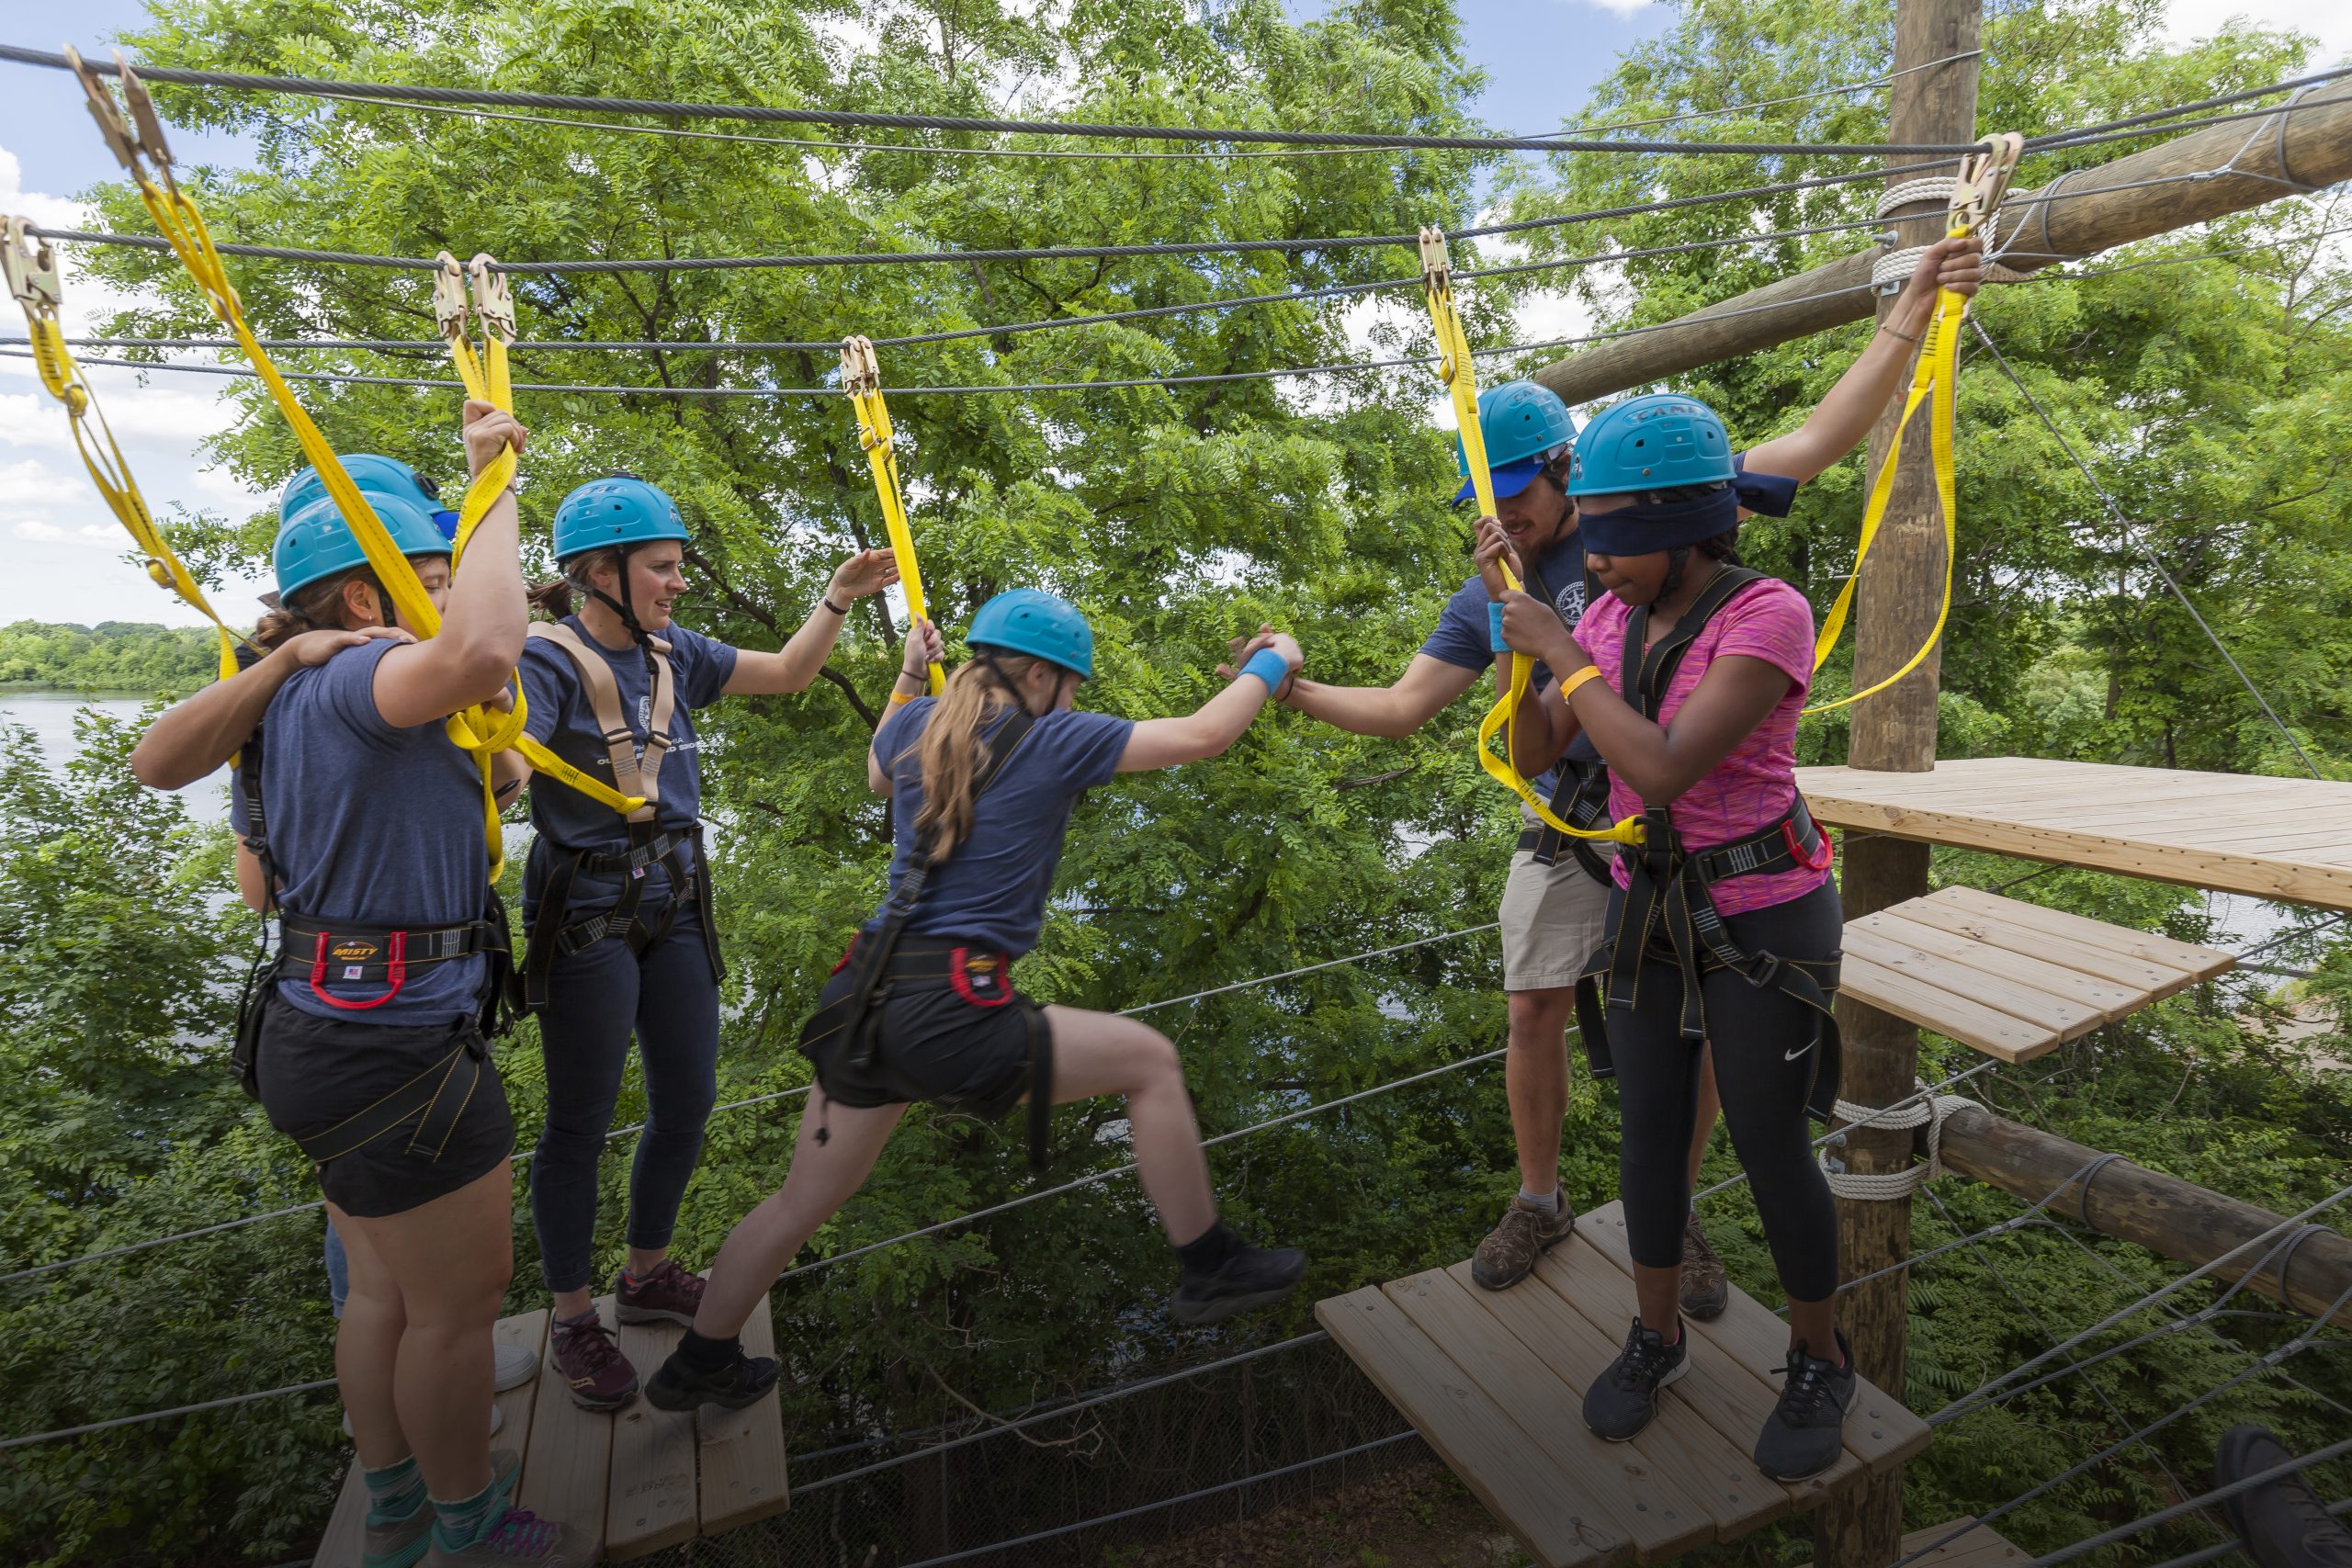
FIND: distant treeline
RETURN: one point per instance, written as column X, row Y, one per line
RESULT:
column 119, row 656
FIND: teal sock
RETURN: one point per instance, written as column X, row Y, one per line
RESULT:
column 394, row 1493
column 457, row 1526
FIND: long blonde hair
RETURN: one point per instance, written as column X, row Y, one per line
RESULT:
column 951, row 752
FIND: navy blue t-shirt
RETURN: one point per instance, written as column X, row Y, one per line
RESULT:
column 370, row 823
column 558, row 716
column 991, row 891
column 1462, row 637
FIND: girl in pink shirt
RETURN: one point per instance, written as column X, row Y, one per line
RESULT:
column 1688, row 675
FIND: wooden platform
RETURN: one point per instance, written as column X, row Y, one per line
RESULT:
column 2011, row 979
column 648, row 1479
column 1495, row 1380
column 1980, row 1548
column 2288, row 838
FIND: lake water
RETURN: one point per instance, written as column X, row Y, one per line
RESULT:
column 50, row 716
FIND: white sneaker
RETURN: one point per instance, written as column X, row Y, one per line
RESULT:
column 517, row 1365
column 496, row 1421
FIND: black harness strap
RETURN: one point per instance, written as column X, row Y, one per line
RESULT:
column 1669, row 914
column 435, row 1100
column 1581, row 797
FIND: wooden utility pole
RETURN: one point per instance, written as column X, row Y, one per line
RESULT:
column 1895, row 603
column 2191, row 180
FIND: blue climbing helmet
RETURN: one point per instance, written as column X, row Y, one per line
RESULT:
column 1025, row 620
column 1656, row 441
column 316, row 542
column 1524, row 426
column 620, row 510
column 375, row 475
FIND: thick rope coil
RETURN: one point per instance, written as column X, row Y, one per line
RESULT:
column 1894, row 266
column 1891, row 1186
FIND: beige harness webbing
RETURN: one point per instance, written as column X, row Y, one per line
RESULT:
column 635, row 771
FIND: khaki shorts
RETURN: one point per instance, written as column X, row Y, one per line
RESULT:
column 1552, row 917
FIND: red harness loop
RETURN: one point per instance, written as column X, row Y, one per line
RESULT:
column 395, row 971
column 959, row 974
column 1820, row 861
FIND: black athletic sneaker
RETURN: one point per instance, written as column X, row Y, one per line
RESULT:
column 744, row 1381
column 1252, row 1277
column 1623, row 1399
column 1801, row 1436
column 2284, row 1523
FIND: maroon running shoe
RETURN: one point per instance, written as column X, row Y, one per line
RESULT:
column 669, row 1295
column 589, row 1357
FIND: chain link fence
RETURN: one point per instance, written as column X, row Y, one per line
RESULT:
column 1125, row 1472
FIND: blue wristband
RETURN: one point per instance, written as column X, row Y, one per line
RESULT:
column 1269, row 667
column 1495, row 643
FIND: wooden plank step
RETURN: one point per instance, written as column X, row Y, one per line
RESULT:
column 2204, row 962
column 1963, row 1017
column 1979, row 1547
column 1880, row 1430
column 1517, row 1482
column 651, row 1501
column 2057, row 1016
column 1608, row 1481
column 568, row 1463
column 741, row 1459
column 2002, row 967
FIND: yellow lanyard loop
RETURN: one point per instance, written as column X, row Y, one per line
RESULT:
column 1454, row 369
column 1984, row 179
column 482, row 289
column 32, row 271
column 861, row 379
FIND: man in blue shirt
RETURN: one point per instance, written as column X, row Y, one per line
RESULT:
column 1551, row 915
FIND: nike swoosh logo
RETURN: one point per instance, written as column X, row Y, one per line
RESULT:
column 1792, row 1056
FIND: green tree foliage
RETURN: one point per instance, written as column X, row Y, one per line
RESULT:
column 113, row 656
column 1177, row 515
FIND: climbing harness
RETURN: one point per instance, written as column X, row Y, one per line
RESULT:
column 861, row 379
column 363, row 953
column 639, row 769
column 877, row 965
column 139, row 145
column 1976, row 195
column 32, row 271
column 1461, row 378
column 1668, row 912
column 480, row 290
column 1582, row 793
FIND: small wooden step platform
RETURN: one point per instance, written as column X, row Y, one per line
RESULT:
column 1495, row 1380
column 2011, row 979
column 2272, row 838
column 1980, row 1548
column 646, row 1479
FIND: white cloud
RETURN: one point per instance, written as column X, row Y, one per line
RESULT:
column 34, row 528
column 2186, row 21
column 1618, row 7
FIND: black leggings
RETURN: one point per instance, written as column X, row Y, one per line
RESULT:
column 1766, row 1047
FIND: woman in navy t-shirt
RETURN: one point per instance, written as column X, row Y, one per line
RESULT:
column 982, row 781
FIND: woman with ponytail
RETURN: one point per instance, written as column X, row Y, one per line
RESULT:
column 981, row 783
column 621, row 945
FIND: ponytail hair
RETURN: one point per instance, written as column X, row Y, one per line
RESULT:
column 557, row 597
column 950, row 752
column 313, row 606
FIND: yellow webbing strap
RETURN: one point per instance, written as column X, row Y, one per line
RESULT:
column 487, row 380
column 1461, row 380
column 1984, row 178
column 31, row 270
column 861, row 379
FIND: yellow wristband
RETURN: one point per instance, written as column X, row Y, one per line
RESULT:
column 898, row 698
column 1568, row 687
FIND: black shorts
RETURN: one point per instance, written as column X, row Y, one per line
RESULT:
column 966, row 1043
column 327, row 1082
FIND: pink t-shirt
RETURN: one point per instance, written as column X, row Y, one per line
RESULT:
column 1753, row 786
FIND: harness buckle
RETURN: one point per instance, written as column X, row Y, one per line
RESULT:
column 1761, row 970
column 30, row 266
column 493, row 297
column 1983, row 181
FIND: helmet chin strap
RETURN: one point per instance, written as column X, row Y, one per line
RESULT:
column 625, row 606
column 1004, row 682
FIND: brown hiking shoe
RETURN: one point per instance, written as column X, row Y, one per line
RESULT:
column 1705, row 1291
column 588, row 1354
column 1524, row 1234
column 669, row 1295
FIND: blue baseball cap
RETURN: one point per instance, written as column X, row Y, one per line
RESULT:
column 1509, row 478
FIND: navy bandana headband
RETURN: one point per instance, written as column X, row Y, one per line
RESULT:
column 1647, row 527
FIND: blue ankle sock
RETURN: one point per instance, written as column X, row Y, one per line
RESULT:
column 1542, row 1200
column 394, row 1493
column 457, row 1526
